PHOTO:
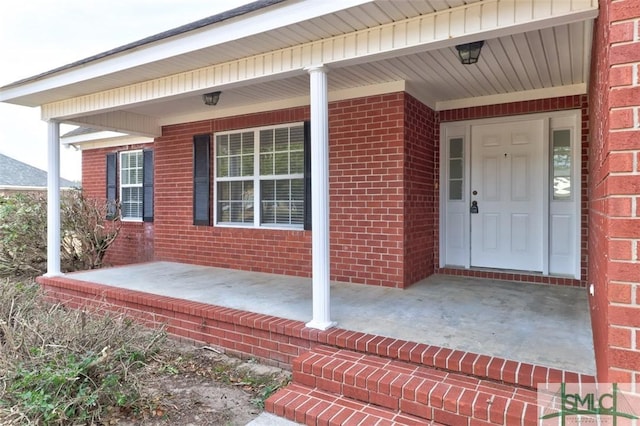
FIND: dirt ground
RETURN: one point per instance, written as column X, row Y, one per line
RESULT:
column 199, row 386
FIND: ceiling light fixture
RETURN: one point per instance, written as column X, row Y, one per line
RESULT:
column 470, row 52
column 211, row 98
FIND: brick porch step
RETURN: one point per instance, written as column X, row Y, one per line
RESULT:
column 309, row 406
column 396, row 388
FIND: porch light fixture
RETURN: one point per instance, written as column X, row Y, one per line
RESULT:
column 470, row 52
column 211, row 98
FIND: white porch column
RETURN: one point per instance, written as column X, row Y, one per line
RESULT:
column 320, row 198
column 53, row 200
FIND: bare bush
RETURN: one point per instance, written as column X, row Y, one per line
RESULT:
column 86, row 234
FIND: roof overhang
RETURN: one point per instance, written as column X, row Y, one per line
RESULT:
column 533, row 49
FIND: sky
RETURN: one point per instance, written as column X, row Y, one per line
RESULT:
column 39, row 35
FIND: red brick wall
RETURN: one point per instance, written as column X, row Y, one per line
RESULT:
column 420, row 193
column 527, row 107
column 135, row 242
column 614, row 187
column 366, row 190
column 367, row 197
column 177, row 239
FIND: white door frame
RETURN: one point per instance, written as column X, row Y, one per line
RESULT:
column 457, row 212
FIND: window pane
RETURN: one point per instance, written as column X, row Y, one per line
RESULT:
column 455, row 169
column 236, row 190
column 224, row 190
column 282, row 163
column 455, row 148
column 267, row 189
column 222, row 147
column 282, row 139
column 222, row 165
column 297, row 138
column 282, row 190
column 297, row 162
column 561, row 164
column 235, row 144
column 455, row 190
column 132, row 202
column 297, row 189
column 247, row 143
column 234, row 155
column 266, row 140
column 297, row 213
column 234, row 166
column 235, row 202
column 268, row 212
column 266, row 164
column 224, row 211
column 247, row 165
column 282, row 201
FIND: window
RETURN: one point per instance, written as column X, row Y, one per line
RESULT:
column 456, row 168
column 131, row 171
column 260, row 177
column 561, row 166
column 131, row 183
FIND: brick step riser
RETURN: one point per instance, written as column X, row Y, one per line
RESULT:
column 312, row 407
column 415, row 390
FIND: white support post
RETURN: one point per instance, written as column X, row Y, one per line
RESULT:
column 320, row 199
column 53, row 200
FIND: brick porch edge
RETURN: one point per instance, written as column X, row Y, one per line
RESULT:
column 278, row 341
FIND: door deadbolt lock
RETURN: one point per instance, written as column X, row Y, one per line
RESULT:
column 474, row 207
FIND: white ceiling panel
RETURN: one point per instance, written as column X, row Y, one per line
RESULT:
column 521, row 62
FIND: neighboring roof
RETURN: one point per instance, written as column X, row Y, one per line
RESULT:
column 242, row 10
column 15, row 173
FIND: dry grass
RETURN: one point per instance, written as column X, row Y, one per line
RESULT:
column 73, row 367
column 66, row 367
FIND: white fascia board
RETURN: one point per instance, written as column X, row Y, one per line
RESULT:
column 87, row 137
column 527, row 95
column 273, row 17
column 125, row 140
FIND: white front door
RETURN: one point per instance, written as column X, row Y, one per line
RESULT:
column 506, row 184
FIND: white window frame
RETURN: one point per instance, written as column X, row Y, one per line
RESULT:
column 130, row 185
column 257, row 178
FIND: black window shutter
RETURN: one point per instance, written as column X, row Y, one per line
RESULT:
column 307, row 175
column 201, row 184
column 112, row 186
column 147, row 185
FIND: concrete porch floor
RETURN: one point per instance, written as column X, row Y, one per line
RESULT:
column 532, row 323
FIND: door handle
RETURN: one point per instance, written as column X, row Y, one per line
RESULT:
column 474, row 207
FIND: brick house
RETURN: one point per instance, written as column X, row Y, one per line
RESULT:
column 347, row 141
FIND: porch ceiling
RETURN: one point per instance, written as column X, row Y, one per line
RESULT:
column 533, row 49
column 547, row 62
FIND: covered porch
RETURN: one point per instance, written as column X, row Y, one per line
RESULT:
column 518, row 323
